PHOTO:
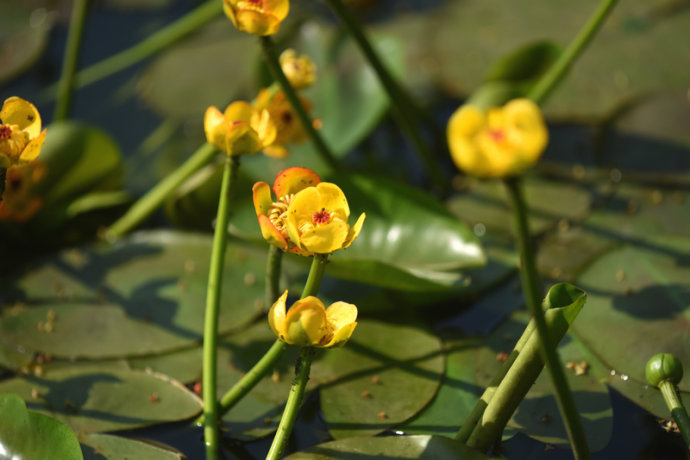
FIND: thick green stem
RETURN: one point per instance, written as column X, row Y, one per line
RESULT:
column 209, row 377
column 148, row 203
column 69, row 62
column 560, row 68
column 156, row 42
column 293, row 404
column 404, row 109
column 675, row 405
column 277, row 73
column 532, row 291
column 266, row 363
column 273, row 263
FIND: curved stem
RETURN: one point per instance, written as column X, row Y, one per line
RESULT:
column 404, row 109
column 675, row 405
column 266, row 363
column 532, row 291
column 293, row 404
column 277, row 73
column 69, row 62
column 220, row 237
column 559, row 69
column 155, row 197
column 273, row 263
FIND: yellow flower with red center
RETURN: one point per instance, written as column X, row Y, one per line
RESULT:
column 498, row 142
column 240, row 130
column 21, row 137
column 272, row 215
column 258, row 17
column 308, row 323
column 18, row 200
column 288, row 126
column 317, row 220
column 300, row 71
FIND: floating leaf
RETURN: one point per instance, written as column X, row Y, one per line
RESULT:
column 24, row 35
column 104, row 446
column 30, row 435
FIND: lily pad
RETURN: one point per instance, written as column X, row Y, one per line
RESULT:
column 383, row 376
column 106, row 446
column 107, row 400
column 23, row 38
column 28, row 434
column 140, row 296
column 419, row 447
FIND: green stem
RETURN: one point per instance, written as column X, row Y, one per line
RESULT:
column 160, row 40
column 560, row 68
column 69, row 62
column 404, row 109
column 293, row 404
column 277, row 73
column 266, row 363
column 155, row 197
column 220, row 237
column 532, row 291
column 675, row 405
column 273, row 263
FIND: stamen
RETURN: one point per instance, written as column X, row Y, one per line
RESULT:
column 5, row 132
column 321, row 217
column 278, row 213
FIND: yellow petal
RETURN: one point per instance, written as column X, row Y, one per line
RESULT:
column 301, row 209
column 305, row 322
column 261, row 195
column 293, row 180
column 276, row 151
column 264, row 126
column 341, row 336
column 256, row 22
column 215, row 127
column 341, row 313
column 279, row 8
column 239, row 111
column 17, row 111
column 271, row 234
column 276, row 316
column 326, row 238
column 33, row 148
column 241, row 139
column 333, row 199
column 354, row 230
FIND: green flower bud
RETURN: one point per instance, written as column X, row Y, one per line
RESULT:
column 663, row 366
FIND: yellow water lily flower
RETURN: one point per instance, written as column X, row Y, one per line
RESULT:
column 272, row 214
column 19, row 203
column 308, row 323
column 289, row 128
column 499, row 142
column 300, row 71
column 240, row 130
column 21, row 137
column 317, row 219
column 258, row 17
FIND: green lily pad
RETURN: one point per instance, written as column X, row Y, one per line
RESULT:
column 106, row 446
column 28, row 434
column 140, row 296
column 106, row 400
column 419, row 447
column 383, row 376
column 24, row 37
column 643, row 292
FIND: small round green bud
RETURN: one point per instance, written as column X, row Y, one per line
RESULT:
column 663, row 366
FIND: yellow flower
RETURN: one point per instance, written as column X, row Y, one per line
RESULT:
column 289, row 128
column 258, row 17
column 272, row 214
column 241, row 130
column 21, row 137
column 309, row 323
column 300, row 71
column 317, row 219
column 499, row 142
column 18, row 202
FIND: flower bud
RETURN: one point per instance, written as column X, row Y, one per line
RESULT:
column 663, row 366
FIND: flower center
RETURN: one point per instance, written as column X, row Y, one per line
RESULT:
column 5, row 132
column 278, row 214
column 497, row 135
column 321, row 217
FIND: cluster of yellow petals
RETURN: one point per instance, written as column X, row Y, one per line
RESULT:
column 241, row 130
column 257, row 17
column 308, row 323
column 498, row 142
column 289, row 128
column 19, row 201
column 21, row 137
column 299, row 70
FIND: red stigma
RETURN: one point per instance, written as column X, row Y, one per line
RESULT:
column 497, row 135
column 321, row 217
column 5, row 132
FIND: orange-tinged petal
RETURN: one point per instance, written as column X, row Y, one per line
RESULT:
column 354, row 230
column 239, row 111
column 215, row 127
column 33, row 148
column 270, row 233
column 333, row 199
column 341, row 336
column 276, row 316
column 261, row 195
column 256, row 23
column 305, row 322
column 279, row 8
column 293, row 180
column 17, row 111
